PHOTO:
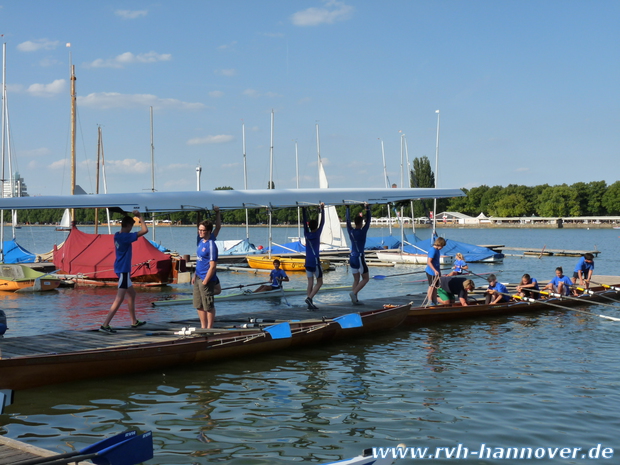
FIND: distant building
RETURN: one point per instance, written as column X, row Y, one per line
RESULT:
column 15, row 187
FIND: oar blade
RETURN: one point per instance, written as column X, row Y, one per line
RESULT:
column 130, row 452
column 279, row 331
column 351, row 320
column 379, row 276
column 109, row 442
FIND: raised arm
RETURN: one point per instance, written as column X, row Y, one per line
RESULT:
column 218, row 222
column 143, row 227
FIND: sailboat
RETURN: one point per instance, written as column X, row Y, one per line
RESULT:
column 65, row 222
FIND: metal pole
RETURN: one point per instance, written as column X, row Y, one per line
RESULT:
column 245, row 184
column 436, row 177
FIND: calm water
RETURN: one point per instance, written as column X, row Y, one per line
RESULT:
column 542, row 380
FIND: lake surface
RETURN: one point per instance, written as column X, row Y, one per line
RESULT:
column 544, row 380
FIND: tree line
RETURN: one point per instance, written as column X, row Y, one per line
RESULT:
column 579, row 199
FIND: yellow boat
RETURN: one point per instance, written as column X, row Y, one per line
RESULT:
column 263, row 262
column 15, row 277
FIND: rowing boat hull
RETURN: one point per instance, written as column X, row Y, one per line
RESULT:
column 241, row 296
column 419, row 316
column 15, row 277
column 396, row 256
column 287, row 264
column 168, row 350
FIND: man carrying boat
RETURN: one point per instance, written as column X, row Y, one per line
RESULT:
column 560, row 284
column 312, row 234
column 496, row 292
column 451, row 286
column 357, row 260
column 277, row 275
column 584, row 269
column 123, row 241
column 205, row 281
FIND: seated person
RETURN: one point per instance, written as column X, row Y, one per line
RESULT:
column 460, row 266
column 524, row 289
column 560, row 284
column 452, row 286
column 277, row 275
column 496, row 292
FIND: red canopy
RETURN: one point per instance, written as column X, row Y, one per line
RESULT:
column 93, row 255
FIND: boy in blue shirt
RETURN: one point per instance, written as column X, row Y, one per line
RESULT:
column 123, row 241
column 357, row 260
column 584, row 269
column 277, row 275
column 433, row 273
column 312, row 234
column 496, row 291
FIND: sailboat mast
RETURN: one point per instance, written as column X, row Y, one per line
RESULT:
column 97, row 177
column 436, row 177
column 271, row 186
column 73, row 136
column 3, row 148
column 297, row 176
column 385, row 176
column 245, row 183
column 152, row 171
column 409, row 183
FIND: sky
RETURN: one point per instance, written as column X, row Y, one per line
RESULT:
column 527, row 91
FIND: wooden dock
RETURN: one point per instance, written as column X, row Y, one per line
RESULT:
column 12, row 451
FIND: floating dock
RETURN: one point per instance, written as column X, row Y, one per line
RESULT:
column 542, row 251
column 12, row 451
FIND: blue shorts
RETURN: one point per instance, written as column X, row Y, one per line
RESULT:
column 358, row 264
column 124, row 281
column 314, row 272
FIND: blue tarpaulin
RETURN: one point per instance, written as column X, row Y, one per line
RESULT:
column 382, row 242
column 242, row 247
column 471, row 253
column 289, row 247
column 15, row 253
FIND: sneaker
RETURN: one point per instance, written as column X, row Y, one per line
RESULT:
column 138, row 323
column 107, row 329
column 358, row 302
column 309, row 302
column 353, row 297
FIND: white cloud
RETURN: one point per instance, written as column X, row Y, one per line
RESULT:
column 107, row 100
column 129, row 58
column 332, row 11
column 131, row 14
column 226, row 46
column 230, row 165
column 216, row 94
column 47, row 90
column 58, row 164
column 219, row 139
column 39, row 44
column 40, row 152
column 128, row 166
column 226, row 72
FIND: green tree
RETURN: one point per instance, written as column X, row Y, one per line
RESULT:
column 511, row 205
column 558, row 201
column 611, row 199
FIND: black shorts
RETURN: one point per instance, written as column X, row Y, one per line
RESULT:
column 124, row 281
column 432, row 279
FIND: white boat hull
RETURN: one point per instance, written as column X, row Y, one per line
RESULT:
column 396, row 256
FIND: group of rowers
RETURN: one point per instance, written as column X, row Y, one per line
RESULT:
column 446, row 289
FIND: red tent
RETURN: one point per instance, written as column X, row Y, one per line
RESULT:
column 93, row 255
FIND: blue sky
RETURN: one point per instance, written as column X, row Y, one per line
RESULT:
column 528, row 90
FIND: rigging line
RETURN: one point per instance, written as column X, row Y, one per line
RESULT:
column 89, row 177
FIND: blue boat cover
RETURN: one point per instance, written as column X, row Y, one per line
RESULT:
column 15, row 253
column 471, row 253
column 382, row 242
column 159, row 247
column 243, row 247
column 289, row 247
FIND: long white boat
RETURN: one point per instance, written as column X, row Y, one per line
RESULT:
column 398, row 256
column 249, row 295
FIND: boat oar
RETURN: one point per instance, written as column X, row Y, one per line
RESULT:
column 568, row 297
column 480, row 276
column 380, row 276
column 591, row 292
column 125, row 449
column 607, row 286
column 542, row 301
column 239, row 286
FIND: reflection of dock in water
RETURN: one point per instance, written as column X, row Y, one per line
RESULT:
column 543, row 251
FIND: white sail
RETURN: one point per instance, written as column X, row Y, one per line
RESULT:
column 65, row 222
column 228, row 199
column 332, row 235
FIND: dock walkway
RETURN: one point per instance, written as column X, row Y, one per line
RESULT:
column 12, row 451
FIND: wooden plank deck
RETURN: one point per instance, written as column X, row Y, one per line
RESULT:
column 12, row 451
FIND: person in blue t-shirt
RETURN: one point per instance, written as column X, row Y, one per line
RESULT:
column 312, row 234
column 205, row 281
column 560, row 284
column 527, row 286
column 277, row 276
column 123, row 241
column 584, row 270
column 496, row 292
column 357, row 260
column 433, row 273
column 460, row 265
